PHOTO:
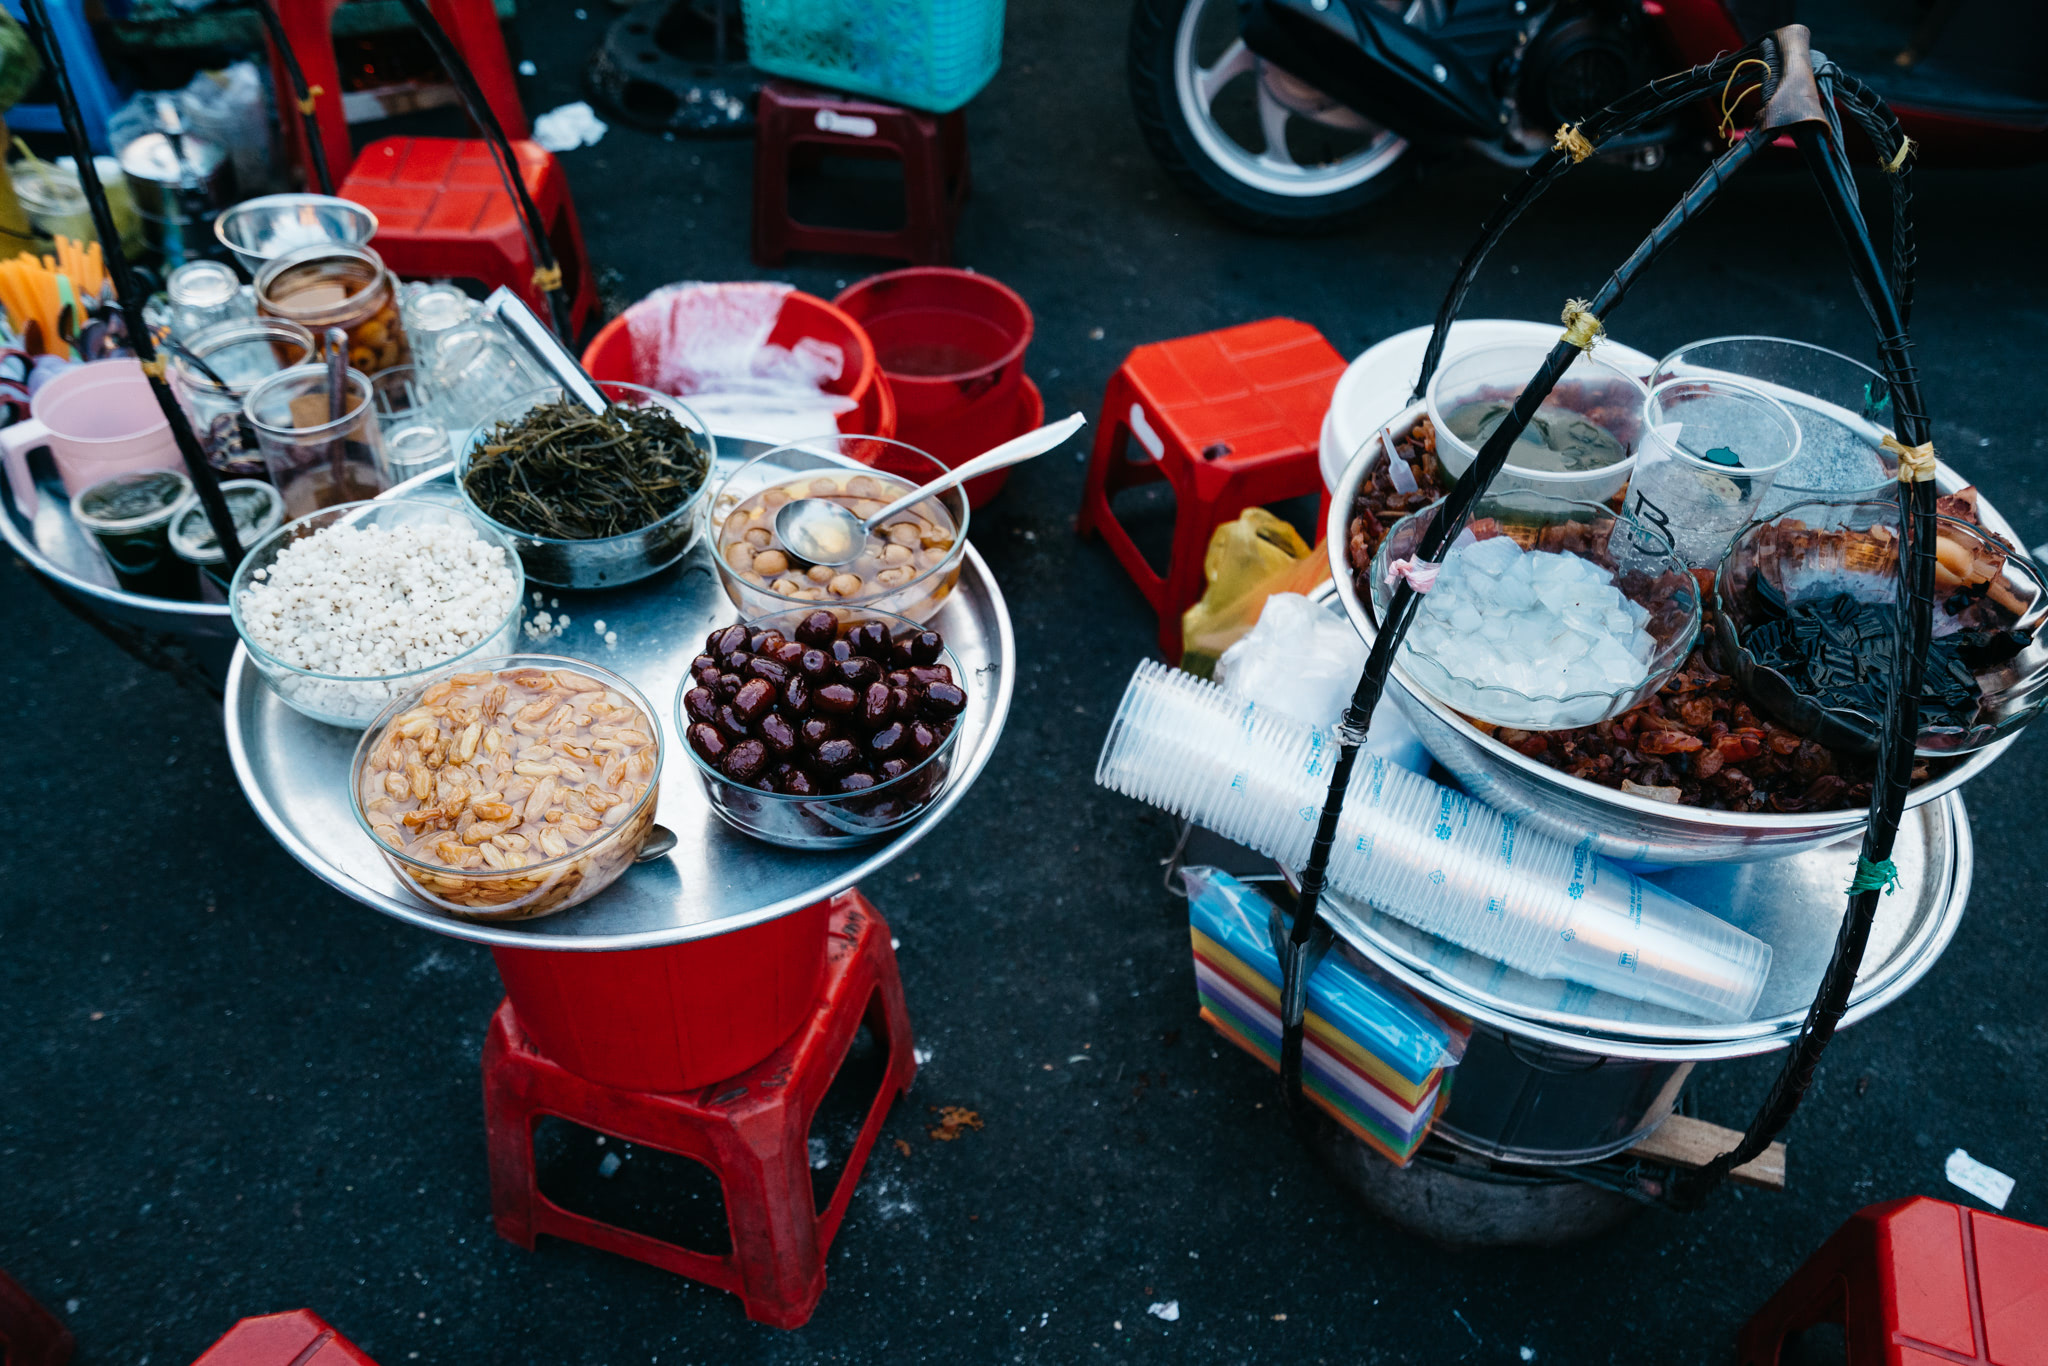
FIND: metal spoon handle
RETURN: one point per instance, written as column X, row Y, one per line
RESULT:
column 1015, row 451
column 540, row 342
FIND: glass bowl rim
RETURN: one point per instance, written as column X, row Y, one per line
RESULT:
column 1430, row 406
column 238, row 583
column 683, row 723
column 399, row 704
column 1679, row 649
column 952, row 557
column 239, row 212
column 688, row 507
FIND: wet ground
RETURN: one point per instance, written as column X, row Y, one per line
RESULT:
column 226, row 1090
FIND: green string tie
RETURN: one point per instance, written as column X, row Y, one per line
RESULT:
column 1872, row 876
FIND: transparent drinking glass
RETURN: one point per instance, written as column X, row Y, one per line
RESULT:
column 317, row 460
column 1710, row 449
column 415, row 439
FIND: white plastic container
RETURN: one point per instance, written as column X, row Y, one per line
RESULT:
column 1425, row 853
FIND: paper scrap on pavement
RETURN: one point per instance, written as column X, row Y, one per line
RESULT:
column 1169, row 1310
column 1988, row 1184
column 569, row 127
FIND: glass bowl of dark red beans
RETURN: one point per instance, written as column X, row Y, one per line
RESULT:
column 821, row 728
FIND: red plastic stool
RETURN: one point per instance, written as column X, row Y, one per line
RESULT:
column 297, row 1338
column 442, row 211
column 794, row 120
column 30, row 1335
column 750, row 1130
column 1916, row 1282
column 1230, row 419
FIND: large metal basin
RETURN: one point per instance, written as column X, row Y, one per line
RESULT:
column 1618, row 825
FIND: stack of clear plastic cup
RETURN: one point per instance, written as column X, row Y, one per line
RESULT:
column 1425, row 853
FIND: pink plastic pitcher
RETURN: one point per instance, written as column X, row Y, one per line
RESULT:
column 98, row 420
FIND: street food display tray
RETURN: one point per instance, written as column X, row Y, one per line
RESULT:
column 295, row 771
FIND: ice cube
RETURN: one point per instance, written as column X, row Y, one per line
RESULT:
column 1497, row 627
column 1568, row 645
column 1637, row 613
column 1514, row 594
column 1465, row 619
column 1617, row 667
column 1491, row 556
column 1618, row 624
column 1559, row 594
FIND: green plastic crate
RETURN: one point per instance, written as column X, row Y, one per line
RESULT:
column 929, row 54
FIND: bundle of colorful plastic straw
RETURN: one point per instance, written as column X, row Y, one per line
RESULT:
column 1374, row 1055
column 55, row 294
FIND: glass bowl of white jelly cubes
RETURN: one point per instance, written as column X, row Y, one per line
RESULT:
column 1547, row 613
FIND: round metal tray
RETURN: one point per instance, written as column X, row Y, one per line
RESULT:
column 1794, row 904
column 63, row 552
column 716, row 880
column 1620, row 825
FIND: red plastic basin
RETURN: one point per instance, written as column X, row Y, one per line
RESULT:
column 673, row 1018
column 610, row 356
column 949, row 340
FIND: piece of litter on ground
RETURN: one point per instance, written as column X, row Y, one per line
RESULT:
column 1279, row 1318
column 1117, row 1324
column 1468, row 1327
column 1528, row 1354
column 528, row 69
column 894, row 943
column 599, row 627
column 611, row 637
column 953, row 1120
column 1169, row 1310
column 71, row 1306
column 903, row 1146
column 820, row 1155
column 610, row 1165
column 1079, row 1057
column 569, row 127
column 920, row 1056
column 1988, row 1184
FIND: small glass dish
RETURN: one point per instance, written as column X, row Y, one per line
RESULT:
column 348, row 700
column 1824, row 549
column 764, row 484
column 259, row 230
column 1644, row 571
column 608, row 561
column 549, row 884
column 840, row 820
column 1593, row 401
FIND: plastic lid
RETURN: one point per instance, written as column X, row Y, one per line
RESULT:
column 202, row 284
column 255, row 507
column 133, row 501
column 150, row 157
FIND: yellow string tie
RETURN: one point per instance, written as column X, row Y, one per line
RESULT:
column 1581, row 328
column 1728, row 107
column 1916, row 463
column 313, row 92
column 1898, row 160
column 154, row 367
column 1570, row 139
column 547, row 279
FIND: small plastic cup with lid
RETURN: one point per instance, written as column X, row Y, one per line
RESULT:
column 130, row 516
column 257, row 511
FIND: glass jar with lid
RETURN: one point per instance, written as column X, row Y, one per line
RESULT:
column 202, row 294
column 243, row 353
column 331, row 284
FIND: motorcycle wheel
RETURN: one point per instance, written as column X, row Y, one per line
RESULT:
column 1245, row 139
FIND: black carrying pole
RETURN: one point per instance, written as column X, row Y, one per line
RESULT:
column 130, row 291
column 1794, row 104
column 316, row 150
column 486, row 119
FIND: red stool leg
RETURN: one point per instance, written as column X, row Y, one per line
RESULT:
column 927, row 235
column 1815, row 1293
column 1111, row 470
column 473, row 25
column 30, row 1335
column 508, row 1133
column 297, row 1338
column 773, row 124
column 309, row 28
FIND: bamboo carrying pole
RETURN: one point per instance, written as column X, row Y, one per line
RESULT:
column 130, row 291
column 1799, row 101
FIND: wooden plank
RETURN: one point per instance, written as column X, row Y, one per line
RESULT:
column 1687, row 1142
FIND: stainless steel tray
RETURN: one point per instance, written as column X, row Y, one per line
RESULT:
column 1795, row 904
column 716, row 880
column 1620, row 825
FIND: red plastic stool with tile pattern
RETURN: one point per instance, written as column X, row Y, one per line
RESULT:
column 30, row 1335
column 1918, row 1282
column 442, row 211
column 441, row 208
column 298, row 1338
column 751, row 1130
column 794, row 121
column 1231, row 420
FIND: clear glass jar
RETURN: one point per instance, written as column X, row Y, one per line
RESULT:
column 243, row 353
column 317, row 460
column 203, row 294
column 331, row 285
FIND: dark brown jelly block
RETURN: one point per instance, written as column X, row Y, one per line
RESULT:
column 699, row 704
column 753, row 699
column 780, row 735
column 745, row 760
column 708, row 741
column 836, row 698
column 796, row 696
column 836, row 756
column 819, row 628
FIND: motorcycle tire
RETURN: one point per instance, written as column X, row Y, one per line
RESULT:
column 1152, row 54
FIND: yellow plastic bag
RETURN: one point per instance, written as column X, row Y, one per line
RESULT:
column 1249, row 560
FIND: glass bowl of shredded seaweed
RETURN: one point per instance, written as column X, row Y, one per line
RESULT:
column 590, row 501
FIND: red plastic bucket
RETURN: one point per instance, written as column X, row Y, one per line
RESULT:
column 949, row 340
column 673, row 1018
column 610, row 356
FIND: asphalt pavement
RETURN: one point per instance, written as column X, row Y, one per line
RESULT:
column 227, row 1090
